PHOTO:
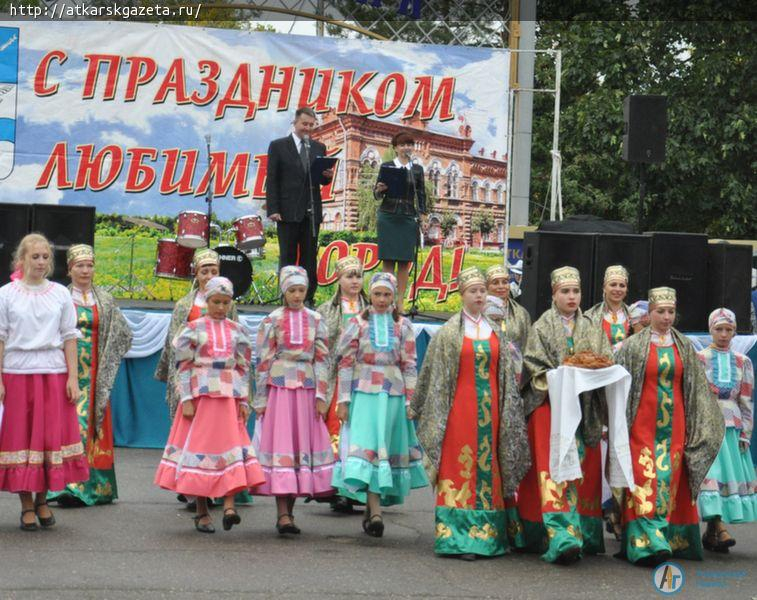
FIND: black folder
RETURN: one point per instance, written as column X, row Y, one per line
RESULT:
column 395, row 179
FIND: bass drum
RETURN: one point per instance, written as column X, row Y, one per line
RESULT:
column 236, row 267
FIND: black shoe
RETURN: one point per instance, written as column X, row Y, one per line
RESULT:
column 711, row 542
column 342, row 505
column 375, row 526
column 69, row 501
column 468, row 557
column 230, row 519
column 28, row 526
column 570, row 556
column 47, row 521
column 203, row 528
column 182, row 498
column 655, row 559
column 287, row 528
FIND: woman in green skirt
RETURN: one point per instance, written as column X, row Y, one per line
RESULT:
column 380, row 458
column 398, row 223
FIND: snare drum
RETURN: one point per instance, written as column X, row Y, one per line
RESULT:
column 192, row 231
column 173, row 261
column 249, row 232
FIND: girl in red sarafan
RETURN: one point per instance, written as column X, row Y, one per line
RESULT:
column 40, row 447
column 209, row 453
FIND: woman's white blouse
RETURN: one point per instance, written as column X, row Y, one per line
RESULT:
column 34, row 323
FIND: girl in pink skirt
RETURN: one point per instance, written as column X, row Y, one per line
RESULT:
column 209, row 453
column 40, row 447
column 291, row 439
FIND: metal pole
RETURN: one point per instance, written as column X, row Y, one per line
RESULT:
column 508, row 181
column 209, row 195
column 642, row 193
column 319, row 24
column 555, row 136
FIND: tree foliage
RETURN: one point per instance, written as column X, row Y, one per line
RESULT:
column 366, row 203
column 705, row 68
column 448, row 224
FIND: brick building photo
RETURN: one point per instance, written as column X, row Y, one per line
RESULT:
column 463, row 184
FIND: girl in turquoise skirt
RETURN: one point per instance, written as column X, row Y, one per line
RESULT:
column 729, row 491
column 380, row 458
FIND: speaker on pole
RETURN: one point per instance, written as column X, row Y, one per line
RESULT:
column 645, row 121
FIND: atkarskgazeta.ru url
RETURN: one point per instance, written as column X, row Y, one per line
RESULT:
column 63, row 10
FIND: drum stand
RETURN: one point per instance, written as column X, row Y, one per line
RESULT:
column 413, row 313
column 119, row 285
column 209, row 194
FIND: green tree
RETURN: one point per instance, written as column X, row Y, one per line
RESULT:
column 448, row 224
column 366, row 203
column 706, row 183
column 483, row 224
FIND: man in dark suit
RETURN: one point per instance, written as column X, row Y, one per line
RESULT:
column 293, row 202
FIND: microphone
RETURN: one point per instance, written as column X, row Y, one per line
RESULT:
column 306, row 142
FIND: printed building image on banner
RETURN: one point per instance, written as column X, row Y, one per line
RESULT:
column 115, row 115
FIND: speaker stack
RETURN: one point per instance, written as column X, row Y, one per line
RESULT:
column 15, row 220
column 729, row 281
column 544, row 251
column 679, row 261
column 634, row 252
column 64, row 226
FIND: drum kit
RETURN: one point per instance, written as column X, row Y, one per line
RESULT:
column 174, row 255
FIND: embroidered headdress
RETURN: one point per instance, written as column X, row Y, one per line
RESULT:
column 79, row 252
column 205, row 256
column 565, row 276
column 347, row 264
column 495, row 272
column 662, row 296
column 469, row 277
column 616, row 273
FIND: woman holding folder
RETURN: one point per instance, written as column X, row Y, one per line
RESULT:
column 401, row 189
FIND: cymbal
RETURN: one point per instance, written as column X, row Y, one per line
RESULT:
column 145, row 223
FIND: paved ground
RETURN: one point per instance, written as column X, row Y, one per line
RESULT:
column 145, row 547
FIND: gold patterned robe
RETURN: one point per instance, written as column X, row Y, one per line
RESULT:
column 435, row 392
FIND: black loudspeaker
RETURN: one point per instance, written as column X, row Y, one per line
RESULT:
column 545, row 251
column 631, row 251
column 64, row 226
column 645, row 120
column 14, row 224
column 679, row 260
column 729, row 280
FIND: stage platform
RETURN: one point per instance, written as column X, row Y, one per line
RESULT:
column 140, row 415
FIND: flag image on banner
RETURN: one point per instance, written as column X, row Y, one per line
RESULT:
column 8, row 85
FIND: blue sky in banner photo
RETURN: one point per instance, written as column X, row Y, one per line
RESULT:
column 480, row 94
